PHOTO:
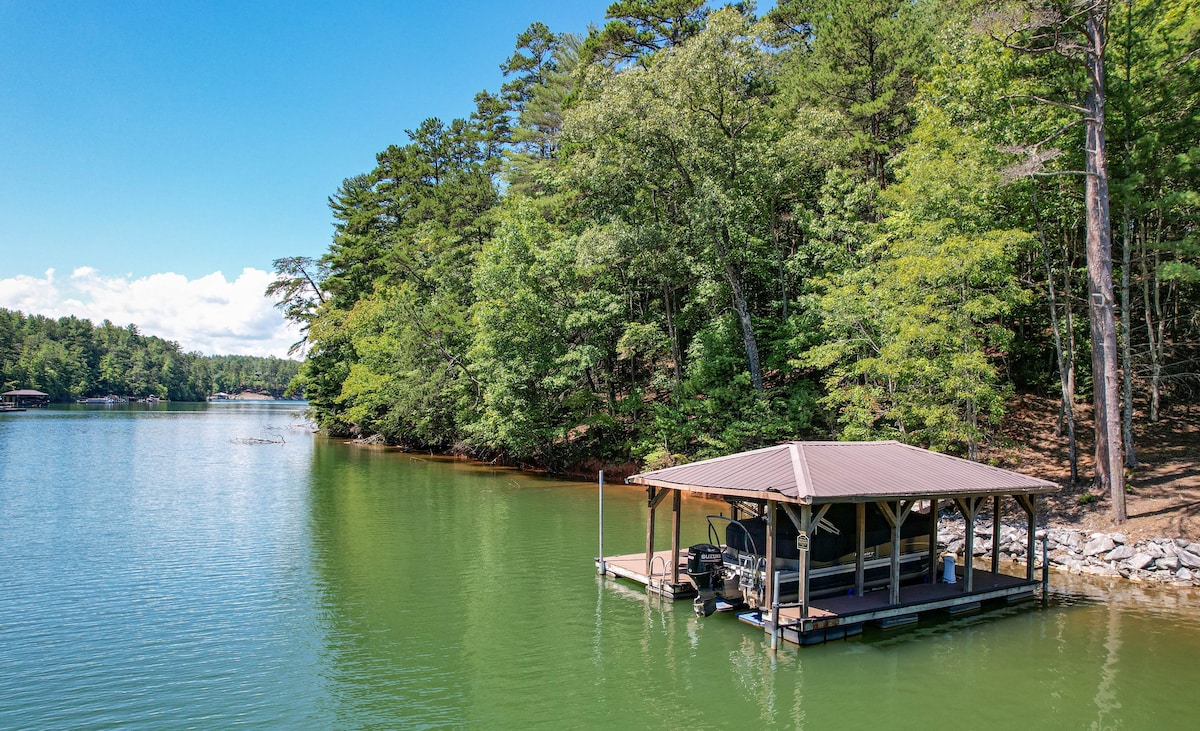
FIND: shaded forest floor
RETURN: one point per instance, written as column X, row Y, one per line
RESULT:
column 1163, row 493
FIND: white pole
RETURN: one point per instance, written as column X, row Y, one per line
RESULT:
column 600, row 563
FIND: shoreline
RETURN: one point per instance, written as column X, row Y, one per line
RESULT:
column 1161, row 561
column 1077, row 545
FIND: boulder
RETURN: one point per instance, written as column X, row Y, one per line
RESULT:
column 1154, row 550
column 1187, row 558
column 1140, row 561
column 1120, row 553
column 1194, row 548
column 1184, row 574
column 1102, row 543
column 1167, row 563
column 1119, row 538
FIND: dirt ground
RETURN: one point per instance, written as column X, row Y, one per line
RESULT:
column 1163, row 492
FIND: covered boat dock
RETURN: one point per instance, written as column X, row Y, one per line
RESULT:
column 851, row 529
column 24, row 398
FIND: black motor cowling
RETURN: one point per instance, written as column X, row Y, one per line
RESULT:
column 705, row 564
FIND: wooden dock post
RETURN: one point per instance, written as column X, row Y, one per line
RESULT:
column 970, row 508
column 655, row 496
column 675, row 537
column 650, row 503
column 933, row 534
column 895, row 519
column 995, row 534
column 860, row 520
column 772, row 538
column 806, row 525
column 1029, row 504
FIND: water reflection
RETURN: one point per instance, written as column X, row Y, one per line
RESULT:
column 459, row 595
column 155, row 574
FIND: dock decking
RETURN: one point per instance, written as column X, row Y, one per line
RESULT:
column 632, row 566
column 829, row 617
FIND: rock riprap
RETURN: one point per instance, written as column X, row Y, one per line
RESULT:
column 1163, row 560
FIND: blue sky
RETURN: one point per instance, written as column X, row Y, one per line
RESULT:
column 140, row 139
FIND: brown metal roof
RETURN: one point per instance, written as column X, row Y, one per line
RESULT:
column 24, row 392
column 821, row 472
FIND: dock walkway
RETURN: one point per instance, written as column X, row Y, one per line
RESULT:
column 834, row 617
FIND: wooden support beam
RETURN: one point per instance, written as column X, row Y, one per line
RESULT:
column 806, row 525
column 1029, row 504
column 675, row 511
column 792, row 514
column 995, row 534
column 653, row 497
column 969, row 507
column 933, row 534
column 860, row 532
column 769, row 588
column 815, row 523
column 657, row 497
column 895, row 518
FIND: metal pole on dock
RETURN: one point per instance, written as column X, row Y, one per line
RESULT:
column 600, row 562
column 775, row 615
column 1045, row 568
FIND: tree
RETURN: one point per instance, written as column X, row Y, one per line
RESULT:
column 1077, row 32
column 638, row 28
column 862, row 59
column 690, row 131
column 909, row 332
column 297, row 291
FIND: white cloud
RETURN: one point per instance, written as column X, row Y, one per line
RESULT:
column 210, row 314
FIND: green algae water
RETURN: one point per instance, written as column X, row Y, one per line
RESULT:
column 161, row 569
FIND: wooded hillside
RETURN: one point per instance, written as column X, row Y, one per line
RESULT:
column 698, row 230
column 70, row 358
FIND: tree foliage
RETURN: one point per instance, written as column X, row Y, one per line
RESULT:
column 70, row 358
column 697, row 230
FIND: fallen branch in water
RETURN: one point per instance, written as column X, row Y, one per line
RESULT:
column 256, row 440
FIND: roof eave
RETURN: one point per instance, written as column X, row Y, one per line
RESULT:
column 752, row 494
column 855, row 498
column 926, row 495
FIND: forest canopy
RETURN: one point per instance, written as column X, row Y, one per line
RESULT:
column 698, row 230
column 70, row 358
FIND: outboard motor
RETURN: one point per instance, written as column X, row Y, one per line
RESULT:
column 705, row 565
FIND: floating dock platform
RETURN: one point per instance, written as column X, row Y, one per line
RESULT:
column 837, row 617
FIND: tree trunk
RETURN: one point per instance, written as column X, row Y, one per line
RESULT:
column 1066, row 383
column 1152, row 311
column 743, row 311
column 1126, row 243
column 676, row 351
column 1126, row 356
column 1106, row 386
column 1071, row 346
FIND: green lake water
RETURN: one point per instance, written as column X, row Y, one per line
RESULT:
column 158, row 572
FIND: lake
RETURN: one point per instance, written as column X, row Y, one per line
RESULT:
column 159, row 569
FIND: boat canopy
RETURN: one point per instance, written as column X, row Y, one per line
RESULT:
column 840, row 472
